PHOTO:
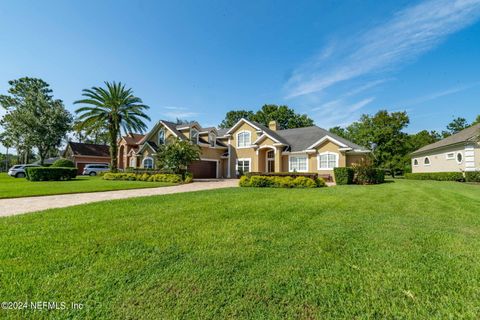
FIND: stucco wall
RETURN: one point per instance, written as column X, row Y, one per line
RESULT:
column 440, row 163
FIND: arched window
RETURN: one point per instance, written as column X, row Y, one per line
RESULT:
column 459, row 157
column 426, row 161
column 415, row 162
column 243, row 139
column 194, row 136
column 327, row 161
column 133, row 162
column 212, row 139
column 161, row 137
column 148, row 163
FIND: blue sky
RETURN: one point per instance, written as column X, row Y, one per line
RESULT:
column 333, row 60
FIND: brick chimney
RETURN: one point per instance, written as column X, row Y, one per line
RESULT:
column 273, row 125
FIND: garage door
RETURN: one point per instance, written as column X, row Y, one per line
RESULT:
column 203, row 169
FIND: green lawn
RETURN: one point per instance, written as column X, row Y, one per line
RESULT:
column 406, row 250
column 20, row 187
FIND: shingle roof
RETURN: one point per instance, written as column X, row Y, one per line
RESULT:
column 89, row 149
column 222, row 131
column 172, row 126
column 468, row 134
column 272, row 133
column 133, row 138
column 301, row 138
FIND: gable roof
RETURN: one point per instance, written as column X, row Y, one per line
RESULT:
column 301, row 139
column 466, row 135
column 133, row 138
column 89, row 149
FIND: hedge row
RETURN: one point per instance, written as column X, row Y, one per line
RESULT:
column 438, row 176
column 156, row 177
column 63, row 163
column 472, row 176
column 281, row 182
column 50, row 173
column 359, row 175
column 311, row 175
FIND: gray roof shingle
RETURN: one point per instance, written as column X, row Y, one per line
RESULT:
column 466, row 135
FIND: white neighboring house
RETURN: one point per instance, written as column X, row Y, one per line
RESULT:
column 459, row 152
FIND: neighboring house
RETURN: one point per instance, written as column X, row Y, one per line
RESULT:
column 127, row 147
column 458, row 152
column 84, row 153
column 248, row 147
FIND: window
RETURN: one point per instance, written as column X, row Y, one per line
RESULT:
column 133, row 162
column 211, row 139
column 415, row 162
column 459, row 157
column 148, row 163
column 243, row 139
column 450, row 156
column 243, row 165
column 327, row 161
column 298, row 164
column 426, row 161
column 161, row 137
column 194, row 136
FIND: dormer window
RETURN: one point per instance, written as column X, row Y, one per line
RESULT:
column 161, row 137
column 194, row 136
column 211, row 139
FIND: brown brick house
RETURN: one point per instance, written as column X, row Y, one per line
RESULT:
column 85, row 153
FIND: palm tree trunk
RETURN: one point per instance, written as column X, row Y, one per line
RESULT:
column 113, row 148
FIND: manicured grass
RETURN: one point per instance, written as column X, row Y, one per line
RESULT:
column 406, row 250
column 21, row 187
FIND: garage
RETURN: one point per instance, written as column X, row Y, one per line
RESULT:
column 203, row 169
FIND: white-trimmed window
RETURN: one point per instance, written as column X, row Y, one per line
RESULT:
column 243, row 165
column 327, row 160
column 212, row 139
column 298, row 163
column 161, row 137
column 450, row 156
column 426, row 161
column 415, row 162
column 459, row 157
column 148, row 163
column 194, row 136
column 243, row 139
column 133, row 162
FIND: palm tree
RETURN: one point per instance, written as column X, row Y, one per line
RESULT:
column 117, row 109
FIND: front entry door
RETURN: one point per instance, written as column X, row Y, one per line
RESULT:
column 270, row 161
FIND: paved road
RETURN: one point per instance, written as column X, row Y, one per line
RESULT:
column 10, row 207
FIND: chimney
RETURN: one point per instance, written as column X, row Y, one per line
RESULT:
column 273, row 125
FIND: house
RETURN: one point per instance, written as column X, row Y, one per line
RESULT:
column 458, row 152
column 248, row 146
column 127, row 147
column 85, row 153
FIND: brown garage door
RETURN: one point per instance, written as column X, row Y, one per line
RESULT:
column 203, row 169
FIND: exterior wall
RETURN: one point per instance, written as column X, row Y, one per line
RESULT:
column 440, row 163
column 238, row 153
column 215, row 154
column 354, row 159
column 154, row 137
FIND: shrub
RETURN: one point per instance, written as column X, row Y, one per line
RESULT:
column 472, row 176
column 188, row 177
column 158, row 177
column 344, row 175
column 311, row 175
column 304, row 182
column 50, row 173
column 280, row 182
column 63, row 163
column 438, row 176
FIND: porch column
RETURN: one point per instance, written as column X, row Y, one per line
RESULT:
column 278, row 159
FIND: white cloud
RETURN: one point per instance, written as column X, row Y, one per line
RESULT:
column 409, row 33
column 442, row 93
column 339, row 113
column 179, row 112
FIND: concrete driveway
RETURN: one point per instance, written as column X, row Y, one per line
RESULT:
column 9, row 207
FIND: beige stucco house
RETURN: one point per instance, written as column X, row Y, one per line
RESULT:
column 458, row 152
column 246, row 147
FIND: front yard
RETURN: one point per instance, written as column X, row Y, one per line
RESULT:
column 21, row 187
column 408, row 249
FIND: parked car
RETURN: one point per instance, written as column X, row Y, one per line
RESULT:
column 18, row 171
column 94, row 169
